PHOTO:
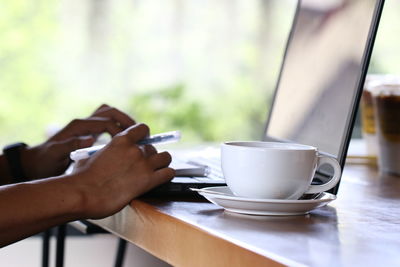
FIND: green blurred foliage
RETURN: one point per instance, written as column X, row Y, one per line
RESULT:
column 31, row 96
column 225, row 116
column 171, row 109
column 26, row 88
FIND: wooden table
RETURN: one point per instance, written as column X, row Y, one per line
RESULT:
column 360, row 228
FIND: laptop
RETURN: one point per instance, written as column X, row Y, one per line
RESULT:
column 317, row 94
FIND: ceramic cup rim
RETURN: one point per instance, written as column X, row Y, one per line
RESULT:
column 267, row 145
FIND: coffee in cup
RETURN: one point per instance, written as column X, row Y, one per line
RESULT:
column 273, row 170
column 386, row 99
column 373, row 83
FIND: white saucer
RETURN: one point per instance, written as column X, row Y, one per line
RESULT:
column 222, row 196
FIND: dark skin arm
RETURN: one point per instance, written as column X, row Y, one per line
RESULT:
column 52, row 157
column 99, row 186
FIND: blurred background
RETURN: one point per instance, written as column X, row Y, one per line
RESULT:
column 205, row 67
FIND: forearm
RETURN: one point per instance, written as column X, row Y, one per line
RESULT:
column 29, row 208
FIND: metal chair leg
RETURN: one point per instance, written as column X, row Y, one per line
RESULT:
column 60, row 247
column 61, row 232
column 46, row 247
column 119, row 260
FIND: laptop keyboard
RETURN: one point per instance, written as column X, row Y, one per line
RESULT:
column 203, row 166
column 213, row 165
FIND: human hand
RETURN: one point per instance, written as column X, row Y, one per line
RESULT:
column 51, row 158
column 119, row 172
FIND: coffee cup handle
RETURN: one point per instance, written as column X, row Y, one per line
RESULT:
column 333, row 181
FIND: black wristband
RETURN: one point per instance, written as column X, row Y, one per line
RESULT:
column 13, row 155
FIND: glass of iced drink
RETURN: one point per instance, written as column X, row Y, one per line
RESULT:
column 386, row 105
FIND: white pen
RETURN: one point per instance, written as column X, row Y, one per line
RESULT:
column 167, row 137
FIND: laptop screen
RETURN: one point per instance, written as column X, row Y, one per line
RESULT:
column 323, row 70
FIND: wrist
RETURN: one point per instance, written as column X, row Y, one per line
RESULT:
column 69, row 195
column 81, row 193
column 94, row 203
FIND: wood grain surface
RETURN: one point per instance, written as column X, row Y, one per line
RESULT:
column 360, row 228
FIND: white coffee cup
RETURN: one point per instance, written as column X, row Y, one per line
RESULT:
column 272, row 170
